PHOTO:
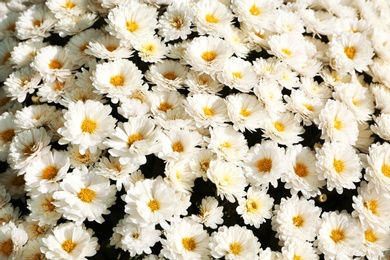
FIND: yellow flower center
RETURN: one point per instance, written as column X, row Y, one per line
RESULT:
column 55, row 64
column 210, row 18
column 36, row 23
column 29, row 149
column 386, row 170
column 132, row 26
column 188, row 243
column 209, row 55
column 135, row 235
column 279, row 126
column 371, row 205
column 235, row 248
column 58, row 86
column 165, row 106
column 204, row 165
column 49, row 172
column 298, row 221
column 170, row 75
column 338, row 165
column 68, row 246
column 178, row 147
column 208, row 111
column 153, row 205
column 226, row 145
column 254, row 10
column 286, row 51
column 68, row 5
column 177, row 23
column 88, row 126
column 83, row 47
column 6, row 57
column 337, row 123
column 86, row 195
column 237, row 75
column 337, row 235
column 7, row 135
column 300, row 169
column 245, row 112
column 264, row 165
column 48, row 206
column 111, row 48
column 370, row 236
column 117, row 80
column 350, row 51
column 308, row 107
column 6, row 247
column 251, row 206
column 134, row 138
column 297, row 257
column 83, row 158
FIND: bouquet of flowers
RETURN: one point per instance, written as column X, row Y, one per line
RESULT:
column 194, row 129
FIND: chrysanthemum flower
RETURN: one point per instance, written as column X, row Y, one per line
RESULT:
column 23, row 54
column 7, row 24
column 210, row 214
column 163, row 101
column 269, row 92
column 151, row 49
column 74, row 24
column 70, row 241
column 32, row 249
column 13, row 182
column 86, row 124
column 22, row 82
column 34, row 116
column 34, row 230
column 77, row 160
column 299, row 250
column 43, row 210
column 179, row 175
column 382, row 126
column 314, row 89
column 8, row 129
column 63, row 8
column 381, row 94
column 12, row 239
column 237, row 40
column 202, row 83
column 108, row 47
column 375, row 243
column 200, row 162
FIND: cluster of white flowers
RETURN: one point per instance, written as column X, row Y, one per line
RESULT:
column 195, row 129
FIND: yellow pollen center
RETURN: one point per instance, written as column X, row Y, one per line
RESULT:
column 149, row 48
column 286, row 51
column 6, row 57
column 188, row 243
column 117, row 80
column 68, row 246
column 210, row 18
column 235, row 248
column 132, row 26
column 177, row 23
column 83, row 158
column 7, row 135
column 298, row 221
column 226, row 145
column 6, row 247
column 153, row 205
column 337, row 124
column 355, row 102
column 88, row 126
column 279, row 126
column 135, row 235
column 245, row 112
column 209, row 55
column 297, row 257
column 254, row 10
column 308, row 107
column 49, row 172
column 68, row 5
column 300, row 169
column 58, row 86
column 371, row 205
column 386, row 170
column 165, row 106
column 111, row 48
column 350, row 52
column 251, row 206
column 83, row 47
column 134, row 138
column 264, row 165
column 29, row 149
column 86, row 195
column 337, row 235
column 178, row 147
column 261, row 36
column 36, row 23
column 55, row 64
column 170, row 75
column 338, row 165
column 237, row 75
column 370, row 236
column 208, row 111
column 48, row 206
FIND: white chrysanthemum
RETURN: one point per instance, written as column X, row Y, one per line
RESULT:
column 64, row 8
column 378, row 70
column 23, row 54
column 339, row 164
column 365, row 137
column 7, row 24
column 237, row 40
column 70, row 241
column 132, row 21
column 314, row 89
column 339, row 236
column 234, row 242
column 88, row 158
column 10, row 214
column 34, row 116
column 239, row 74
column 296, row 219
column 43, row 210
column 167, row 75
column 108, row 47
column 185, row 239
column 53, row 92
column 74, row 24
column 382, row 126
column 270, row 68
column 179, row 175
column 117, row 79
column 228, row 144
column 149, row 202
column 151, row 48
column 269, row 92
column 349, row 52
column 163, row 101
column 84, row 195
column 32, row 250
column 378, row 168
column 8, row 129
column 87, row 124
column 34, row 230
column 245, row 111
column 175, row 22
column 12, row 239
column 381, row 94
column 13, row 182
column 200, row 162
column 22, row 82
column 265, row 164
column 201, row 83
column 206, row 109
column 211, row 17
column 301, row 172
column 137, row 104
column 210, row 214
column 338, row 123
column 28, row 146
column 256, row 207
column 228, row 178
column 375, row 243
column 207, row 54
column 288, row 22
column 299, row 250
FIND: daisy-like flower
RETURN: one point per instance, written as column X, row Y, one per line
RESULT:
column 136, row 105
column 7, row 24
column 237, row 40
column 52, row 63
column 23, row 54
column 151, row 48
column 32, row 250
column 117, row 78
column 206, row 109
column 200, row 162
column 12, row 239
column 108, row 47
column 298, row 250
column 381, row 93
column 163, row 101
column 210, row 214
column 133, row 140
column 211, row 17
column 239, row 74
column 339, row 164
column 34, row 116
column 270, row 68
column 256, row 207
column 74, row 24
column 8, row 129
column 53, row 92
column 284, row 129
column 9, row 214
column 65, row 8
column 339, row 235
column 185, row 239
column 337, row 123
column 6, row 47
column 288, row 22
column 180, row 176
column 175, row 22
column 207, row 54
column 84, row 195
column 77, row 160
column 264, row 164
column 301, row 172
column 86, row 124
column 70, row 241
column 381, row 126
column 228, row 144
column 371, row 208
column 27, row 147
column 34, row 230
column 296, row 219
column 349, row 52
column 167, row 75
column 234, row 242
column 228, row 178
column 13, row 182
column 375, row 243
column 45, row 174
column 202, row 83
column 269, row 92
column 43, row 210
column 149, row 202
column 314, row 89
